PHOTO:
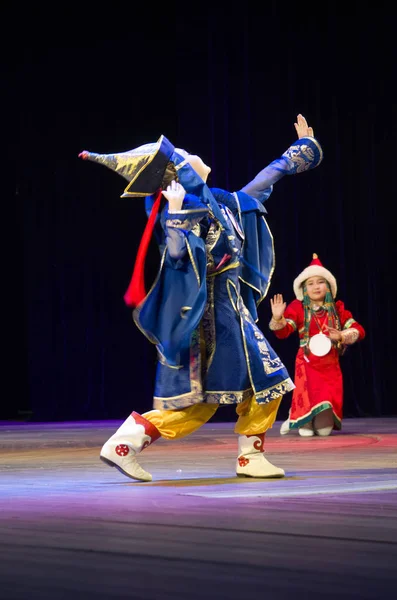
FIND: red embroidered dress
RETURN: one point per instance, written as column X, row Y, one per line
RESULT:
column 318, row 379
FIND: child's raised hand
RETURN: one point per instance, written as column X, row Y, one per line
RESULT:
column 278, row 306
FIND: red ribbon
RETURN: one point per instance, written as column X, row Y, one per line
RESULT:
column 136, row 289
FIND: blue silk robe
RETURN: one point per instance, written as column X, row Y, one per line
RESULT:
column 216, row 267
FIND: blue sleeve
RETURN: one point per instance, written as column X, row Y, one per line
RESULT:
column 178, row 225
column 306, row 153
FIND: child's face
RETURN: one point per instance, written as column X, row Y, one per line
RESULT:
column 316, row 288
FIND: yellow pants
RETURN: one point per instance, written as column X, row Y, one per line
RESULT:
column 253, row 418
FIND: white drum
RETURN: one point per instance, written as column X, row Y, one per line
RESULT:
column 320, row 344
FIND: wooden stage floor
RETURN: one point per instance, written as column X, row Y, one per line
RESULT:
column 71, row 527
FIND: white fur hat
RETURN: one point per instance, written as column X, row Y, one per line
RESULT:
column 315, row 268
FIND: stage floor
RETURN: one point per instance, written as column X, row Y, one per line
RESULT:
column 71, row 527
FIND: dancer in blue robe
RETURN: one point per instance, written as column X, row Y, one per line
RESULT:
column 217, row 260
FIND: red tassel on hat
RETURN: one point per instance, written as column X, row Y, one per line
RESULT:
column 316, row 260
column 136, row 289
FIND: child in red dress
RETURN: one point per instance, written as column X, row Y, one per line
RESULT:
column 325, row 329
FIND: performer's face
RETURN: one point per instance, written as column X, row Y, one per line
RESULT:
column 316, row 288
column 197, row 164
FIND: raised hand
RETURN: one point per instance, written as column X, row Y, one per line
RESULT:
column 302, row 128
column 84, row 155
column 278, row 306
column 175, row 193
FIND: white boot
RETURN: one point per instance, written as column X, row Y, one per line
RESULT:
column 284, row 429
column 306, row 430
column 324, row 431
column 133, row 436
column 251, row 461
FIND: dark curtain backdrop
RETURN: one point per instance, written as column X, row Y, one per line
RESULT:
column 227, row 86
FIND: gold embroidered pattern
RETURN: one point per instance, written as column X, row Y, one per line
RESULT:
column 208, row 324
column 186, row 224
column 302, row 156
column 212, row 238
column 196, row 229
column 195, row 267
column 274, row 392
column 227, row 397
column 349, row 336
column 275, row 324
column 270, row 365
